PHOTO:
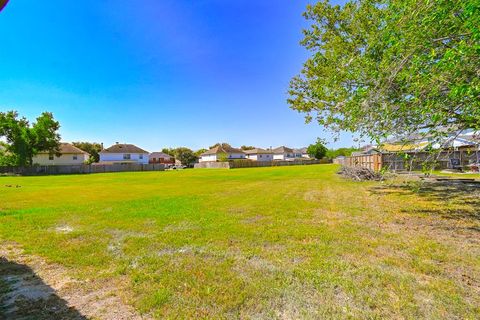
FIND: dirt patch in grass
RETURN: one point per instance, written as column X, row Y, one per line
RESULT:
column 63, row 229
column 32, row 288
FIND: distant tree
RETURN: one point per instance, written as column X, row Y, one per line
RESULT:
column 5, row 158
column 169, row 151
column 24, row 141
column 222, row 144
column 185, row 155
column 247, row 147
column 222, row 157
column 386, row 68
column 346, row 152
column 200, row 151
column 317, row 150
column 93, row 148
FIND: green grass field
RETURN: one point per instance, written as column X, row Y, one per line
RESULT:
column 264, row 243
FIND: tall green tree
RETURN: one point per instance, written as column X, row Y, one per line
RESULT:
column 93, row 148
column 24, row 141
column 317, row 150
column 391, row 67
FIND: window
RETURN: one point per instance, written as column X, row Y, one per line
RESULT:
column 75, row 157
column 261, row 156
column 140, row 156
column 126, row 156
column 50, row 157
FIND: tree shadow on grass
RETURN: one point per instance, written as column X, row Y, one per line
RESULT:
column 453, row 199
column 24, row 295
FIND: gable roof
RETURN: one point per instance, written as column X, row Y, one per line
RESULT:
column 160, row 155
column 123, row 148
column 301, row 150
column 220, row 149
column 282, row 149
column 258, row 151
column 66, row 148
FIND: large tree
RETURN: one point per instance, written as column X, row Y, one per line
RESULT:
column 24, row 141
column 185, row 155
column 317, row 150
column 391, row 68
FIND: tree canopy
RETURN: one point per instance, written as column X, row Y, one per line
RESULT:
column 317, row 150
column 93, row 148
column 185, row 155
column 346, row 152
column 24, row 141
column 222, row 144
column 391, row 67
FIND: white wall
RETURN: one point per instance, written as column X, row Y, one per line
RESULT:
column 65, row 159
column 215, row 157
column 118, row 157
column 260, row 157
column 283, row 156
column 236, row 155
column 207, row 158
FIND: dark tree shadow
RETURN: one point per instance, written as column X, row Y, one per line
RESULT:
column 465, row 196
column 24, row 295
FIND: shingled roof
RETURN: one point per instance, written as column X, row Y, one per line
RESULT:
column 160, row 155
column 258, row 151
column 123, row 148
column 220, row 149
column 67, row 148
column 282, row 149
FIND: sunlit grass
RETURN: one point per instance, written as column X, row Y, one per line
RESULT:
column 283, row 242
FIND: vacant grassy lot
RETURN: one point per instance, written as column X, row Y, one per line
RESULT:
column 263, row 243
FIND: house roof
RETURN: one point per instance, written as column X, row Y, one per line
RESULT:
column 123, row 148
column 220, row 149
column 160, row 155
column 258, row 151
column 300, row 150
column 282, row 149
column 66, row 148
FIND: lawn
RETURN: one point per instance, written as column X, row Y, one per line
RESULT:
column 263, row 243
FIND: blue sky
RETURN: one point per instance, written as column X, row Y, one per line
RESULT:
column 158, row 73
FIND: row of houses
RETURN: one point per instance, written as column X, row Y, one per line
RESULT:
column 118, row 153
column 129, row 153
column 221, row 153
column 454, row 151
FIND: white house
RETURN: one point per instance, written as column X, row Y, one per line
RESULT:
column 283, row 153
column 68, row 155
column 222, row 152
column 123, row 153
column 259, row 154
column 301, row 153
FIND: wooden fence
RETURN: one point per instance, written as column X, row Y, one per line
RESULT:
column 410, row 161
column 252, row 164
column 80, row 169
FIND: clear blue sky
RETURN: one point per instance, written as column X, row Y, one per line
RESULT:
column 158, row 73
